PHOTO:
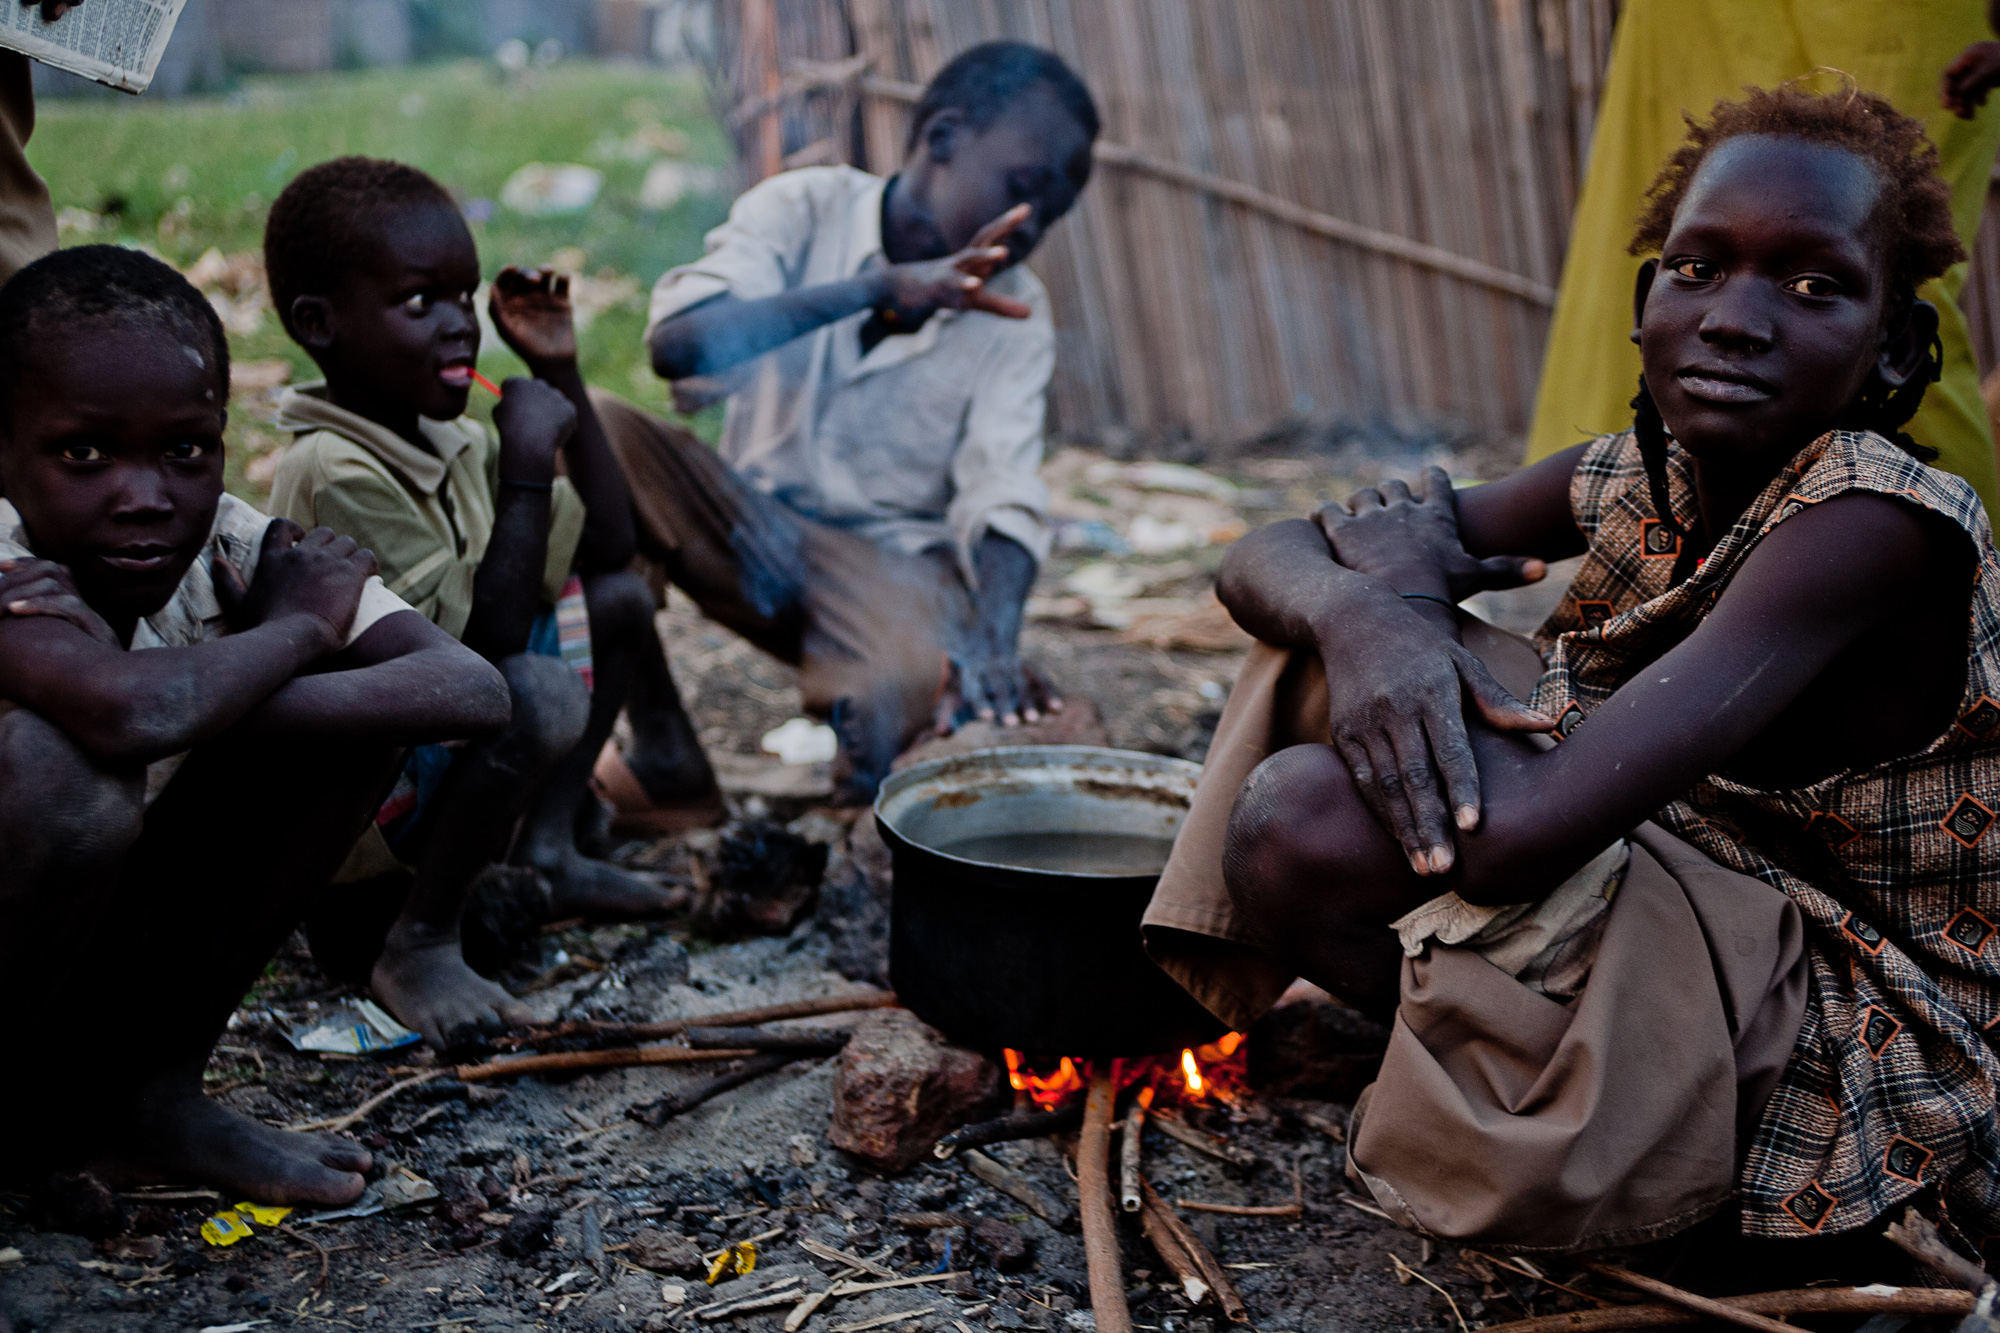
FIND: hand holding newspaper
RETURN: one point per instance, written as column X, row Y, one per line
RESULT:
column 115, row 42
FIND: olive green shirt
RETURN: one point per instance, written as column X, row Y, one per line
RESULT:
column 427, row 514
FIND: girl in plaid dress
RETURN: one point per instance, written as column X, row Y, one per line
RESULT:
column 1709, row 921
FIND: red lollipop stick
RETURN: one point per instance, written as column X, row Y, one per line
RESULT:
column 485, row 383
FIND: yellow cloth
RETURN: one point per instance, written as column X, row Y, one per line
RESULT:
column 1675, row 54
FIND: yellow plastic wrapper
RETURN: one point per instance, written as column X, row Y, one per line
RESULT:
column 263, row 1215
column 225, row 1229
column 738, row 1259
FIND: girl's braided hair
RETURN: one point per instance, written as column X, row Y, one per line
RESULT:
column 1910, row 227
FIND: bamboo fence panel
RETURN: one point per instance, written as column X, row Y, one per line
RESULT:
column 1317, row 209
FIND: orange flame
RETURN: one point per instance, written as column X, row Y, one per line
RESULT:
column 1214, row 1072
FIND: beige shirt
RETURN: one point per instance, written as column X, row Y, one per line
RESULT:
column 932, row 438
column 426, row 514
column 194, row 613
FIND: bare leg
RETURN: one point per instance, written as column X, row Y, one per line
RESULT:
column 621, row 629
column 189, row 901
column 666, row 755
column 421, row 976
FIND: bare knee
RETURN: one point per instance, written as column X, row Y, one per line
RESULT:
column 1295, row 841
column 551, row 706
column 58, row 808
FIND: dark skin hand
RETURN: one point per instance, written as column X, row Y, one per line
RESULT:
column 398, row 342
column 988, row 679
column 967, row 204
column 532, row 313
column 1766, row 314
column 118, row 494
column 1973, row 74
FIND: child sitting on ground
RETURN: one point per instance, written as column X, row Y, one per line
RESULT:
column 1788, row 1003
column 166, row 815
column 876, row 515
column 373, row 271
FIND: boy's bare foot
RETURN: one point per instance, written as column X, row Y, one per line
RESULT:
column 598, row 891
column 185, row 1138
column 427, row 985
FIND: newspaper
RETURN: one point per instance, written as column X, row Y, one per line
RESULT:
column 115, row 42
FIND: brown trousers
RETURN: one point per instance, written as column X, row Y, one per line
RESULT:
column 1502, row 1116
column 868, row 628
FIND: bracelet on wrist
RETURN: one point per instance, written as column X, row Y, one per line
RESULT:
column 528, row 485
column 1426, row 597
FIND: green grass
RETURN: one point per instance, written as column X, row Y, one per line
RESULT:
column 180, row 177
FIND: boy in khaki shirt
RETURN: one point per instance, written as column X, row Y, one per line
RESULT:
column 373, row 271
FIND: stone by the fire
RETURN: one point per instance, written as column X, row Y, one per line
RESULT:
column 1315, row 1048
column 901, row 1085
column 665, row 1251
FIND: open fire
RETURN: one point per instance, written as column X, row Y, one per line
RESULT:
column 1201, row 1074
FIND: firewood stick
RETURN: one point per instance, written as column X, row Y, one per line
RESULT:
column 1011, row 1182
column 1916, row 1237
column 1193, row 1285
column 1915, row 1301
column 1013, row 1125
column 1100, row 1226
column 818, row 1043
column 1217, row 1148
column 570, row 1061
column 1687, row 1300
column 1128, row 1150
column 1218, row 1281
column 362, row 1112
column 735, row 1018
column 662, row 1109
column 1242, row 1209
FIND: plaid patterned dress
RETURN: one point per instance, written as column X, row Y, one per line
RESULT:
column 1895, row 868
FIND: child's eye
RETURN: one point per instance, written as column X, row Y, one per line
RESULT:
column 1813, row 284
column 83, row 453
column 186, row 450
column 420, row 304
column 1699, row 270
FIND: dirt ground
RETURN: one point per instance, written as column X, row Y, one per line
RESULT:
column 755, row 1162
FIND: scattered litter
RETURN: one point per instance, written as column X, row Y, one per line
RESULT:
column 234, row 1328
column 262, row 1214
column 352, row 1029
column 1104, row 582
column 404, row 1188
column 226, row 1228
column 1090, row 534
column 668, row 182
column 562, row 1282
column 368, row 1205
column 801, row 741
column 544, row 189
column 1176, row 477
column 10, row 1255
column 673, row 1293
column 738, row 1259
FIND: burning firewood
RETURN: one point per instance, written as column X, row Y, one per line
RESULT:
column 1100, row 1224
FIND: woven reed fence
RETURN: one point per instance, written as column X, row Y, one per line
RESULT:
column 1302, row 209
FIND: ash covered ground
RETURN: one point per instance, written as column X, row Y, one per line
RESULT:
column 1146, row 649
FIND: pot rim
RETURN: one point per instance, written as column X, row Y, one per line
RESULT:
column 997, row 758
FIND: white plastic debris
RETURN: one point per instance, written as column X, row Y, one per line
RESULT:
column 1176, row 477
column 801, row 741
column 352, row 1029
column 544, row 189
column 668, row 182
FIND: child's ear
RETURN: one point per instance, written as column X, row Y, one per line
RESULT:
column 1906, row 345
column 941, row 135
column 1642, row 287
column 312, row 322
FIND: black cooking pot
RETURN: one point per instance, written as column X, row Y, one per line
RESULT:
column 1044, row 961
